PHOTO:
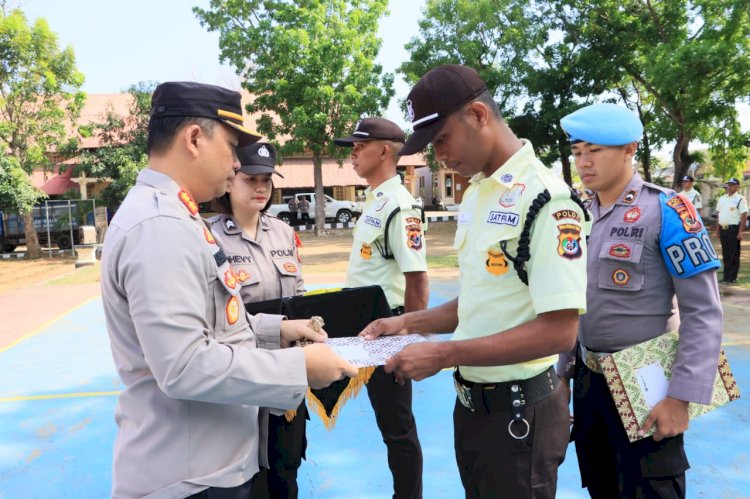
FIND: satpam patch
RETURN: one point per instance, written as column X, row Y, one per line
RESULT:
column 632, row 215
column 569, row 241
column 233, row 310
column 375, row 222
column 620, row 277
column 496, row 263
column 414, row 233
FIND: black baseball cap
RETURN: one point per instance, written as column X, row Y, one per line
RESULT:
column 688, row 178
column 437, row 94
column 373, row 129
column 258, row 159
column 733, row 181
column 199, row 100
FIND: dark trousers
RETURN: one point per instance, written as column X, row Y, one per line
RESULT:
column 493, row 464
column 286, row 449
column 610, row 465
column 730, row 251
column 238, row 492
column 304, row 218
column 392, row 405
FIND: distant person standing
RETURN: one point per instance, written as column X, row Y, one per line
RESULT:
column 389, row 250
column 293, row 208
column 732, row 209
column 692, row 194
column 304, row 209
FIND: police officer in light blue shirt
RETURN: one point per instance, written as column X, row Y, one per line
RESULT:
column 651, row 269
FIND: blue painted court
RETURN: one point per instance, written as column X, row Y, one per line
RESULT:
column 59, row 389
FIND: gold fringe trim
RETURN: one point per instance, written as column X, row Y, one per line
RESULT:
column 290, row 415
column 352, row 390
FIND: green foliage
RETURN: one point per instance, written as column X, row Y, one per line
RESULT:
column 16, row 192
column 122, row 152
column 309, row 65
column 690, row 58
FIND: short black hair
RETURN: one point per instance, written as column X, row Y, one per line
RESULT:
column 488, row 100
column 162, row 131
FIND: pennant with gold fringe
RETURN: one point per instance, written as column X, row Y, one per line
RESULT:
column 345, row 313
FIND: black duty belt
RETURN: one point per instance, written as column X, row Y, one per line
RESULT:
column 510, row 396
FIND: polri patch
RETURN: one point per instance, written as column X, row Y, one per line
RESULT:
column 375, row 222
column 569, row 241
column 572, row 214
column 686, row 212
column 632, row 215
column 414, row 233
column 503, row 218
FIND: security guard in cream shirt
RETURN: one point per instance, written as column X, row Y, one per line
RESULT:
column 194, row 370
column 389, row 250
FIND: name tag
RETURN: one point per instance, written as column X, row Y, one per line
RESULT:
column 503, row 218
column 375, row 222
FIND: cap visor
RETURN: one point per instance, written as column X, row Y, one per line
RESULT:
column 420, row 138
column 346, row 141
column 259, row 170
column 246, row 136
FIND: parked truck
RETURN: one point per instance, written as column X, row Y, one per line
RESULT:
column 58, row 220
column 339, row 211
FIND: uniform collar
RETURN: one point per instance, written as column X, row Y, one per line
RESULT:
column 265, row 223
column 389, row 185
column 513, row 169
column 628, row 197
column 167, row 186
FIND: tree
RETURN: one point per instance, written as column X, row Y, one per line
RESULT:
column 309, row 66
column 39, row 94
column 122, row 152
column 689, row 57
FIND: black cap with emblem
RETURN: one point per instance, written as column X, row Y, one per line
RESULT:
column 174, row 99
column 438, row 94
column 258, row 159
column 688, row 178
column 373, row 129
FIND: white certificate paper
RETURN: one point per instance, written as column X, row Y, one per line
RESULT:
column 365, row 353
column 653, row 383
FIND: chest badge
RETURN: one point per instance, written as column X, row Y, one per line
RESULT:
column 496, row 263
column 512, row 195
column 569, row 241
column 242, row 276
column 629, row 197
column 365, row 251
column 620, row 251
column 233, row 310
column 188, row 201
column 381, row 203
column 290, row 267
column 632, row 215
column 620, row 277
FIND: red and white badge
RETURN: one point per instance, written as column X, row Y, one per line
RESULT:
column 632, row 215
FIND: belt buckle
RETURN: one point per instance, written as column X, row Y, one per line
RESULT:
column 464, row 394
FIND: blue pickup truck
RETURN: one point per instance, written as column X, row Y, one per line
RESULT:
column 53, row 219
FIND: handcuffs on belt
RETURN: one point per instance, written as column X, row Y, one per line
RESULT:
column 516, row 401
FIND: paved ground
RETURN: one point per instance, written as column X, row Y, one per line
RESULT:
column 59, row 387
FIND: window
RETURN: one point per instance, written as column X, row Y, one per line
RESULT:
column 449, row 185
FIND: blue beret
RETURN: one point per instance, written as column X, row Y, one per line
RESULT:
column 603, row 124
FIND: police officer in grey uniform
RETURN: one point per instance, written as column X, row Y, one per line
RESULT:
column 262, row 251
column 651, row 269
column 194, row 369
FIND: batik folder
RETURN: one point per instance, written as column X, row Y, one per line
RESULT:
column 637, row 378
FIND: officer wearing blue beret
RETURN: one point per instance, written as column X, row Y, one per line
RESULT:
column 632, row 284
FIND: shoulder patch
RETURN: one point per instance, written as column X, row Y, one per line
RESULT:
column 572, row 214
column 569, row 241
column 685, row 244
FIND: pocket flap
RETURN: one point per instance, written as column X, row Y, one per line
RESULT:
column 286, row 266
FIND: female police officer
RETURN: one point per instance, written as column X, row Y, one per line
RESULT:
column 262, row 250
